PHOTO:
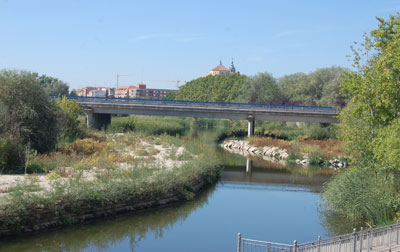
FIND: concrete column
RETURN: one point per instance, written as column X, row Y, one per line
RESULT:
column 97, row 121
column 250, row 128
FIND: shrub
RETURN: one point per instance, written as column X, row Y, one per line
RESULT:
column 11, row 156
column 316, row 131
column 362, row 194
column 315, row 158
column 87, row 146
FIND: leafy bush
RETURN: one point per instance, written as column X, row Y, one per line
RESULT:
column 292, row 157
column 11, row 156
column 316, row 131
column 87, row 146
column 315, row 158
column 70, row 127
column 122, row 124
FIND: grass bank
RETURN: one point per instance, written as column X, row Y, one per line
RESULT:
column 103, row 175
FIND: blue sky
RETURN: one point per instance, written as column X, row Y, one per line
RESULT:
column 88, row 42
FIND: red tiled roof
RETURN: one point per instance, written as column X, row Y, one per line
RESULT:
column 219, row 68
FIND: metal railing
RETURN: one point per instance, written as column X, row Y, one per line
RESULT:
column 376, row 239
column 85, row 99
column 262, row 246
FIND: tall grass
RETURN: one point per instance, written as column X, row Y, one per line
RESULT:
column 363, row 194
column 149, row 125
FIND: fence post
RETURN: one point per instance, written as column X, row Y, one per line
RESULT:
column 361, row 238
column 390, row 239
column 397, row 232
column 319, row 243
column 368, row 240
column 239, row 245
column 354, row 240
column 295, row 246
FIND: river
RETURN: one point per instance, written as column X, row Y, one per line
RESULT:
column 264, row 201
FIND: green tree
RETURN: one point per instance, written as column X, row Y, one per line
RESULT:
column 374, row 90
column 52, row 86
column 321, row 87
column 30, row 116
column 219, row 88
column 68, row 123
column 370, row 125
column 261, row 88
column 170, row 96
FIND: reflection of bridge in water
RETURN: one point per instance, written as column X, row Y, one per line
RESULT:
column 99, row 110
column 256, row 173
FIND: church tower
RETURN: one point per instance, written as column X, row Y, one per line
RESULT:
column 232, row 69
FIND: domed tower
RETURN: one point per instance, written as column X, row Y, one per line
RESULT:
column 232, row 69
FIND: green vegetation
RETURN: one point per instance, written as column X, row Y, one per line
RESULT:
column 108, row 171
column 34, row 122
column 28, row 119
column 370, row 190
column 150, row 125
column 51, row 85
column 219, row 88
column 320, row 87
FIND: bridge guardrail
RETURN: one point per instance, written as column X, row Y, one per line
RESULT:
column 221, row 104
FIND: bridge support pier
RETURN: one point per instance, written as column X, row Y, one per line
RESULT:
column 250, row 128
column 97, row 121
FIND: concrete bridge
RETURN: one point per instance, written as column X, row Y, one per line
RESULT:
column 99, row 110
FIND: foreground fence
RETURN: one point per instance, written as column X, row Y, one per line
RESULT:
column 377, row 239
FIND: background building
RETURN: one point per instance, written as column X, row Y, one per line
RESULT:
column 138, row 91
column 221, row 70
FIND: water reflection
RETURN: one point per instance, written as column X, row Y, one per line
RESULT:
column 249, row 165
column 103, row 235
column 261, row 171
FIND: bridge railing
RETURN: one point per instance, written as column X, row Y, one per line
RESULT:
column 376, row 239
column 86, row 99
column 245, row 244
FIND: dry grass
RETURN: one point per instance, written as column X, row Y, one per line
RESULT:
column 327, row 148
column 267, row 141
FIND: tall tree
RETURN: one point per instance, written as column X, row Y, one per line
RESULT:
column 260, row 88
column 30, row 115
column 374, row 89
column 52, row 86
column 321, row 87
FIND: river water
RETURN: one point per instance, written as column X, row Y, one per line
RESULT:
column 264, row 201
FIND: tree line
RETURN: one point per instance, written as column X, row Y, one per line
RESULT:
column 320, row 87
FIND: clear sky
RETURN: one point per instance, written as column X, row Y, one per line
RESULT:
column 88, row 42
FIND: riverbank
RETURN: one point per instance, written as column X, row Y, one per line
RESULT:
column 106, row 175
column 312, row 152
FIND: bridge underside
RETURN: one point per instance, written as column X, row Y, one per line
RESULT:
column 99, row 115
